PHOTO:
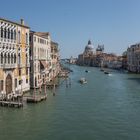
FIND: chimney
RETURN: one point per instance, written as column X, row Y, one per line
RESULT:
column 22, row 21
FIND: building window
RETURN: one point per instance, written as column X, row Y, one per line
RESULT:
column 1, row 32
column 19, row 59
column 26, row 80
column 30, row 39
column 12, row 34
column 1, row 85
column 19, row 82
column 15, row 58
column 30, row 53
column 15, row 35
column 34, row 39
column 1, row 58
column 26, row 71
column 8, row 34
column 26, row 38
column 8, row 58
column 26, row 59
column 30, row 69
column 12, row 59
column 18, row 36
column 5, row 32
column 15, row 83
column 5, row 58
column 19, row 72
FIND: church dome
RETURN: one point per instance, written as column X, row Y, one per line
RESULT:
column 89, row 47
column 100, row 48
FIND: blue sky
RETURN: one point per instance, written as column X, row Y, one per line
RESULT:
column 114, row 23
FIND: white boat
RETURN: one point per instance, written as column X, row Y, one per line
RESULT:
column 83, row 81
column 87, row 71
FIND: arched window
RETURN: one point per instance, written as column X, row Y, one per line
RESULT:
column 8, row 58
column 1, row 58
column 5, row 33
column 18, row 36
column 15, row 34
column 8, row 34
column 5, row 58
column 14, row 58
column 1, row 32
column 11, row 34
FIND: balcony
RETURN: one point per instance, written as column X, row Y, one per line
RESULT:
column 8, row 66
column 23, row 65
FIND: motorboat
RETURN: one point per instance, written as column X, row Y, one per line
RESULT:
column 87, row 71
column 83, row 81
column 106, row 72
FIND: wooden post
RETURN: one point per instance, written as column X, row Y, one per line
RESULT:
column 34, row 92
column 69, row 82
column 40, row 89
column 45, row 88
column 66, row 83
column 53, row 89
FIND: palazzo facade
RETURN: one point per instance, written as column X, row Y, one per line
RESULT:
column 14, row 56
column 40, row 58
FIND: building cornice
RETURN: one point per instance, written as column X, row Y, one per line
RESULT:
column 16, row 23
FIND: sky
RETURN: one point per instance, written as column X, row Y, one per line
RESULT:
column 71, row 23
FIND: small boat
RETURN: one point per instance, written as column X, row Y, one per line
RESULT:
column 83, row 81
column 87, row 71
column 106, row 72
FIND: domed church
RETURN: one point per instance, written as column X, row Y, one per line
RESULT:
column 90, row 57
column 86, row 57
column 88, row 49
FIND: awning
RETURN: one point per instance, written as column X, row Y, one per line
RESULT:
column 43, row 63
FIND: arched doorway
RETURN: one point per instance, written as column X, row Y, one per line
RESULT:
column 8, row 84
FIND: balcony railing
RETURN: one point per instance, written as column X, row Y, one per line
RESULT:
column 8, row 66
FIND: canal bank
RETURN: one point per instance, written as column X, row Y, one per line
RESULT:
column 107, row 107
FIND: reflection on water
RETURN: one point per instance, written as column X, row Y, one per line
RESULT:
column 106, row 108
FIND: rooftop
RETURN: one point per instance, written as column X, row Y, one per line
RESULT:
column 19, row 24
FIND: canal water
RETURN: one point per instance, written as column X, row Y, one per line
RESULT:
column 106, row 108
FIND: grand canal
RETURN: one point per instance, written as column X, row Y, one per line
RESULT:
column 106, row 108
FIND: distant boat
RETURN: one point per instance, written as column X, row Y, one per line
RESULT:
column 87, row 71
column 106, row 72
column 83, row 81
